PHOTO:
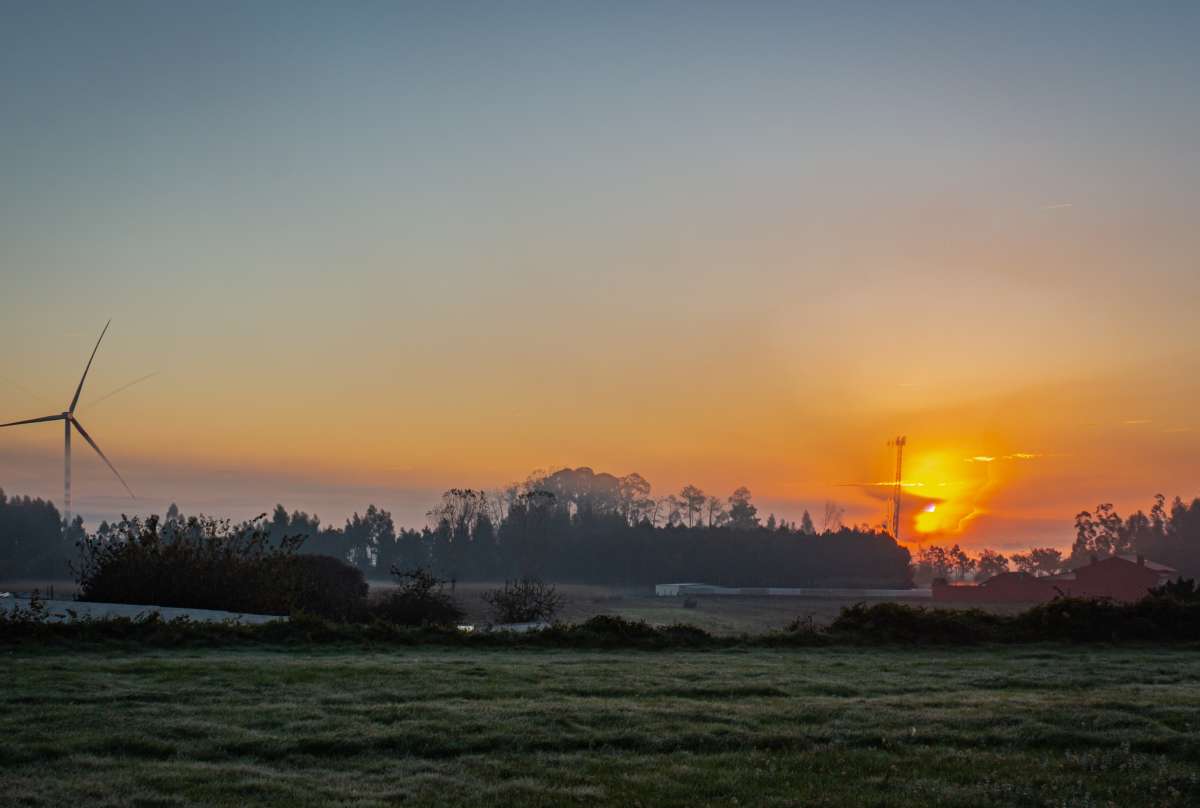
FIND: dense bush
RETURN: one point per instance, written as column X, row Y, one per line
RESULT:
column 420, row 600
column 613, row 626
column 208, row 564
column 328, row 587
column 1184, row 589
column 1155, row 617
column 525, row 601
column 899, row 622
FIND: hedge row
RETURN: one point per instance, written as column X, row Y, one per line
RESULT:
column 1158, row 619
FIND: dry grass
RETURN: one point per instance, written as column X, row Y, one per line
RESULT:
column 721, row 615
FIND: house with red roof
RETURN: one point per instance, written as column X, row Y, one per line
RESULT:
column 1120, row 577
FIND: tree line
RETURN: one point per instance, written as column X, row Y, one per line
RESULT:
column 569, row 525
column 1168, row 535
column 953, row 563
column 33, row 542
column 580, row 526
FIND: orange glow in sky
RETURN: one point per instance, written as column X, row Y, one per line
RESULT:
column 372, row 254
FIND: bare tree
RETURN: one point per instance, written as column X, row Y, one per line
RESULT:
column 716, row 512
column 692, row 500
column 673, row 508
column 654, row 510
column 634, row 492
column 832, row 522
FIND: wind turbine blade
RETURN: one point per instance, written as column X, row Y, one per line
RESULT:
column 92, row 443
column 122, row 388
column 79, row 389
column 14, row 383
column 58, row 417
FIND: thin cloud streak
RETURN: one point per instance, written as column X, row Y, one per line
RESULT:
column 1013, row 456
column 120, row 389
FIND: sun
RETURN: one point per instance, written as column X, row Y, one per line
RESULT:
column 947, row 492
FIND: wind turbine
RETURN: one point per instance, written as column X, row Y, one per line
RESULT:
column 69, row 420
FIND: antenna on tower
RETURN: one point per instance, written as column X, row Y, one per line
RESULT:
column 898, row 488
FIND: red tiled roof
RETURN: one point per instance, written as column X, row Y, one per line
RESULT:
column 1150, row 565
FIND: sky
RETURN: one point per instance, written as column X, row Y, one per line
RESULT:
column 370, row 251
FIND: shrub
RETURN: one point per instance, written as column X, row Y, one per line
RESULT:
column 420, row 600
column 525, row 601
column 899, row 622
column 1182, row 589
column 209, row 564
column 614, row 627
column 1155, row 617
column 690, row 603
column 32, row 614
column 202, row 564
column 328, row 587
column 802, row 625
column 685, row 634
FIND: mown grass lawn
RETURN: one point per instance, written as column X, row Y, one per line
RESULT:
column 1051, row 726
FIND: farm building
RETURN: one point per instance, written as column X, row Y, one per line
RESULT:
column 1121, row 577
column 693, row 589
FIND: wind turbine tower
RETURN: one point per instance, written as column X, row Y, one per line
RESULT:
column 69, row 420
column 898, row 487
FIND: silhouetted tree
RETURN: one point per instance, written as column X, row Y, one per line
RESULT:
column 990, row 563
column 635, row 500
column 1039, row 561
column 932, row 562
column 833, row 517
column 962, row 563
column 742, row 514
column 716, row 512
column 692, row 501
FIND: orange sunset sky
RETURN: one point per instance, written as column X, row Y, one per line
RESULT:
column 375, row 254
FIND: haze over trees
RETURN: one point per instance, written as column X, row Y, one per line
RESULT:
column 1169, row 536
column 32, row 540
column 577, row 525
column 569, row 525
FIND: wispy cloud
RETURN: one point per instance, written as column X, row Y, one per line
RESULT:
column 1135, row 421
column 991, row 459
column 1058, row 206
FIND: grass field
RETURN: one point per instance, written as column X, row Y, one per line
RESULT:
column 1036, row 726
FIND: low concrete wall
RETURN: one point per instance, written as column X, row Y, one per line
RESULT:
column 676, row 590
column 68, row 610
